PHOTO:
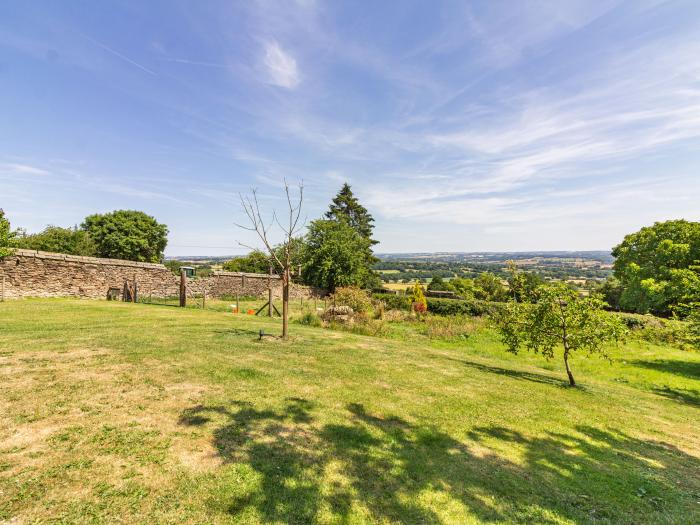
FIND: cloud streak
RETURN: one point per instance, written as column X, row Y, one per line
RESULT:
column 281, row 66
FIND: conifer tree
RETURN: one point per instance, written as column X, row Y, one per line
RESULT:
column 345, row 206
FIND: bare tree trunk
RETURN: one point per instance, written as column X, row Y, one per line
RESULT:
column 566, row 364
column 285, row 304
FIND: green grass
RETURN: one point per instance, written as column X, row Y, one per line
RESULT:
column 113, row 412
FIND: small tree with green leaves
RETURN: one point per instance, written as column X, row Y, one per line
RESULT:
column 437, row 284
column 7, row 236
column 561, row 318
column 418, row 302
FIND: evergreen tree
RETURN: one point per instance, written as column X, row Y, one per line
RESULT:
column 346, row 207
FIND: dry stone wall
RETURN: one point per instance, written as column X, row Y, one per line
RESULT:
column 29, row 273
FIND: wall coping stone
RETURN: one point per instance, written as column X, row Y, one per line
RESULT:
column 82, row 259
column 222, row 273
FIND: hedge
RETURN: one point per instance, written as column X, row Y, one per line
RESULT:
column 442, row 306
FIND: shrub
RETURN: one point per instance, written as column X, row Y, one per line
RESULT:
column 393, row 302
column 356, row 298
column 418, row 302
column 657, row 330
column 310, row 319
column 694, row 327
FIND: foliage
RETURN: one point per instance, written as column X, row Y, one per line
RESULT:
column 522, row 286
column 335, row 256
column 255, row 262
column 310, row 319
column 127, row 234
column 352, row 296
column 418, row 302
column 473, row 307
column 489, row 287
column 437, row 284
column 439, row 306
column 72, row 241
column 346, row 207
column 694, row 327
column 7, row 236
column 560, row 317
column 393, row 301
column 611, row 290
column 658, row 267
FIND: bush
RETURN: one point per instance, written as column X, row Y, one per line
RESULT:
column 357, row 299
column 393, row 302
column 657, row 330
column 311, row 319
column 461, row 307
column 418, row 302
column 442, row 306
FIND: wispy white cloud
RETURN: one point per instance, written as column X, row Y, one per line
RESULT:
column 281, row 66
column 12, row 168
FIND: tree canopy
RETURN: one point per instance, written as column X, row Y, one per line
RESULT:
column 560, row 318
column 127, row 234
column 346, row 207
column 7, row 236
column 73, row 241
column 255, row 262
column 334, row 255
column 659, row 268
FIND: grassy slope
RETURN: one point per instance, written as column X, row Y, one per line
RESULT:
column 157, row 414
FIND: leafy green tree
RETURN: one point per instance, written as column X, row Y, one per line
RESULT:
column 560, row 318
column 334, row 256
column 611, row 290
column 127, row 234
column 489, row 287
column 437, row 284
column 7, row 236
column 659, row 267
column 462, row 286
column 522, row 285
column 255, row 262
column 72, row 241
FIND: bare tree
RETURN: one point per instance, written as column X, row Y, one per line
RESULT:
column 281, row 257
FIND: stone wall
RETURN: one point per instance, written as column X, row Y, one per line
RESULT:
column 29, row 273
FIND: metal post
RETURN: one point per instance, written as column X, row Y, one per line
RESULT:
column 2, row 289
column 238, row 305
column 183, row 288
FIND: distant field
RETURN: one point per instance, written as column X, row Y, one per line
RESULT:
column 120, row 413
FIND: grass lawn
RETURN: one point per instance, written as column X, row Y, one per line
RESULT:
column 113, row 412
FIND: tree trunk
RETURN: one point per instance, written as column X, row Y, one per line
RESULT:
column 285, row 303
column 568, row 370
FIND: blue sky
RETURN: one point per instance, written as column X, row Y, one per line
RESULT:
column 462, row 126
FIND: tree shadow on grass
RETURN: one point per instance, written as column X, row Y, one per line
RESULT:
column 682, row 395
column 689, row 369
column 382, row 468
column 237, row 332
column 515, row 374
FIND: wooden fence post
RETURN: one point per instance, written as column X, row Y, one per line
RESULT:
column 183, row 288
